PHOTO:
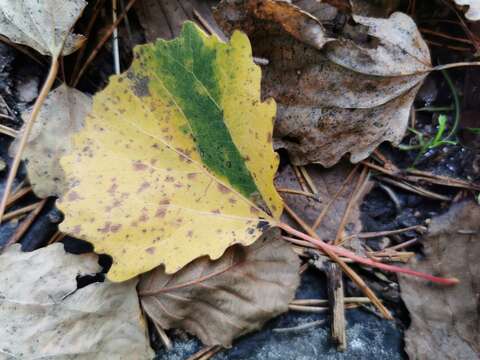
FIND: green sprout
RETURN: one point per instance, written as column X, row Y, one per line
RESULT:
column 425, row 144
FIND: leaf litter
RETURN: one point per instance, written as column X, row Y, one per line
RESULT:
column 387, row 54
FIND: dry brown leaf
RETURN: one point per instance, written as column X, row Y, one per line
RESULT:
column 164, row 18
column 43, row 26
column 61, row 116
column 223, row 299
column 45, row 316
column 347, row 97
column 473, row 12
column 331, row 199
column 445, row 320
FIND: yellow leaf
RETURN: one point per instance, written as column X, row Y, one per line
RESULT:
column 176, row 160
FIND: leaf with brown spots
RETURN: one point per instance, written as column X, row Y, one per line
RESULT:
column 224, row 299
column 179, row 163
column 62, row 114
column 348, row 95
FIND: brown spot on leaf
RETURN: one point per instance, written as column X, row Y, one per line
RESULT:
column 112, row 189
column 139, row 166
column 160, row 213
column 73, row 196
column 150, row 250
column 223, row 189
column 145, row 185
column 115, row 228
column 76, row 230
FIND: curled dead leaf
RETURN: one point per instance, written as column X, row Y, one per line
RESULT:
column 346, row 97
column 221, row 300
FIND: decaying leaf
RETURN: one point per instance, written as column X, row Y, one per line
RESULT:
column 62, row 115
column 43, row 26
column 223, row 299
column 445, row 321
column 335, row 187
column 45, row 316
column 348, row 96
column 164, row 18
column 175, row 160
column 473, row 12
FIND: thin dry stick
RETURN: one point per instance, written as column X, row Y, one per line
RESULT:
column 451, row 47
column 386, row 162
column 58, row 236
column 340, row 251
column 309, row 309
column 163, row 336
column 300, row 178
column 308, row 179
column 362, row 181
column 300, row 327
column 324, row 211
column 446, row 36
column 328, row 250
column 21, row 192
column 8, row 131
column 366, row 235
column 102, row 42
column 402, row 245
column 205, row 353
column 415, row 189
column 207, row 26
column 26, row 132
column 81, row 51
column 347, row 300
column 25, row 225
column 13, row 214
column 418, row 175
column 297, row 192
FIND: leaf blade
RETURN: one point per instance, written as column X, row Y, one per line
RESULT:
column 140, row 187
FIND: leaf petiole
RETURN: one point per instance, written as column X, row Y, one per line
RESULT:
column 364, row 261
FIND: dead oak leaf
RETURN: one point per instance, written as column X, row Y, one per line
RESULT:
column 348, row 96
column 445, row 320
column 224, row 299
column 176, row 160
column 62, row 115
